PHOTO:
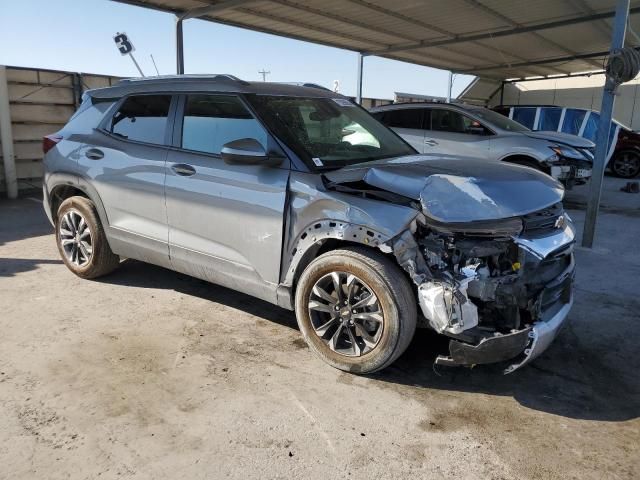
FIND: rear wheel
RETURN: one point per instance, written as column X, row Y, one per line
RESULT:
column 356, row 309
column 81, row 239
column 626, row 164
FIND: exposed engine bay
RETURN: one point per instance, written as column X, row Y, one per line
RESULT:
column 479, row 287
column 491, row 272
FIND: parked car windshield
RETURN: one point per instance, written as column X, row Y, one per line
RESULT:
column 328, row 132
column 499, row 120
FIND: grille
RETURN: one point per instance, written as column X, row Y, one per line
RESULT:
column 542, row 221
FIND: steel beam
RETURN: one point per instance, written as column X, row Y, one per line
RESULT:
column 359, row 79
column 542, row 61
column 196, row 13
column 500, row 33
column 179, row 46
column 602, row 136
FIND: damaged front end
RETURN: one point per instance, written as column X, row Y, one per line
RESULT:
column 500, row 289
column 491, row 254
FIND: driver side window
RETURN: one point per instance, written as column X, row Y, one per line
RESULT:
column 443, row 120
column 210, row 121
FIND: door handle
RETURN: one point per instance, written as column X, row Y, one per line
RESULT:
column 94, row 154
column 183, row 169
column 431, row 143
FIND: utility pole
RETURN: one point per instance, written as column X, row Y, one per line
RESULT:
column 264, row 74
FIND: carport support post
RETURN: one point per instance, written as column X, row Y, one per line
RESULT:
column 179, row 46
column 6, row 137
column 359, row 80
column 449, row 86
column 602, row 136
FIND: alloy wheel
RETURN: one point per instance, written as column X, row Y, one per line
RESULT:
column 75, row 238
column 346, row 314
column 626, row 165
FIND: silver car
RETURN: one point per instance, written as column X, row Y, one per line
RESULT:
column 297, row 196
column 463, row 130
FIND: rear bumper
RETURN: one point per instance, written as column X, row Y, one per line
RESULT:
column 46, row 202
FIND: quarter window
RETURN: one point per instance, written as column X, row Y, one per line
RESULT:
column 142, row 118
column 210, row 121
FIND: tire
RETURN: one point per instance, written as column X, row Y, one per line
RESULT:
column 86, row 254
column 362, row 272
column 626, row 164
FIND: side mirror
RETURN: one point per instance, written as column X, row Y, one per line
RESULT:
column 247, row 151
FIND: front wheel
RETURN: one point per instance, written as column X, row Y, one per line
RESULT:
column 356, row 309
column 626, row 164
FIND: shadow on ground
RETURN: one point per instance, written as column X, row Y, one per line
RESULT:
column 10, row 266
column 143, row 275
column 569, row 380
column 23, row 218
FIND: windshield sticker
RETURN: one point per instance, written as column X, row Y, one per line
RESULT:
column 343, row 102
column 318, row 162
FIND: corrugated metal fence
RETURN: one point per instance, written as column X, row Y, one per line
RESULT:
column 41, row 102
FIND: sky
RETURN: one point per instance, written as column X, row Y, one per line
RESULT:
column 77, row 35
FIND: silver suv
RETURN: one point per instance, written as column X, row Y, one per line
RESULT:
column 299, row 197
column 464, row 130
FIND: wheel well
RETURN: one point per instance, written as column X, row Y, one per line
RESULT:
column 521, row 159
column 60, row 193
column 327, row 246
column 635, row 151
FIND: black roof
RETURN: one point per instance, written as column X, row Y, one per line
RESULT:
column 209, row 83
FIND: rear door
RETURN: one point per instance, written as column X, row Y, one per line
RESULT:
column 453, row 133
column 406, row 122
column 125, row 163
column 225, row 221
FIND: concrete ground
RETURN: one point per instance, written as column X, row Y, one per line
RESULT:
column 151, row 374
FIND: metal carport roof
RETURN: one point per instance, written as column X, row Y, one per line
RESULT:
column 490, row 38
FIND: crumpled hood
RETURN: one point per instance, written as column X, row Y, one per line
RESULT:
column 458, row 190
column 564, row 138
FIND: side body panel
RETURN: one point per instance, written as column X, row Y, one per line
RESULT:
column 129, row 179
column 413, row 136
column 226, row 222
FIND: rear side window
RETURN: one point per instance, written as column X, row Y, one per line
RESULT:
column 142, row 118
column 525, row 116
column 210, row 121
column 549, row 119
column 573, row 120
column 404, row 118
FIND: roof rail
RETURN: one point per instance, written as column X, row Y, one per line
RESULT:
column 215, row 77
column 305, row 84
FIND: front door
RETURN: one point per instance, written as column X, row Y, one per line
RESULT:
column 225, row 221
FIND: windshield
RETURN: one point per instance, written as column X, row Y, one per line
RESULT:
column 499, row 120
column 328, row 132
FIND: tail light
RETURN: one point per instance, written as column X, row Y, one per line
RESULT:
column 49, row 141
